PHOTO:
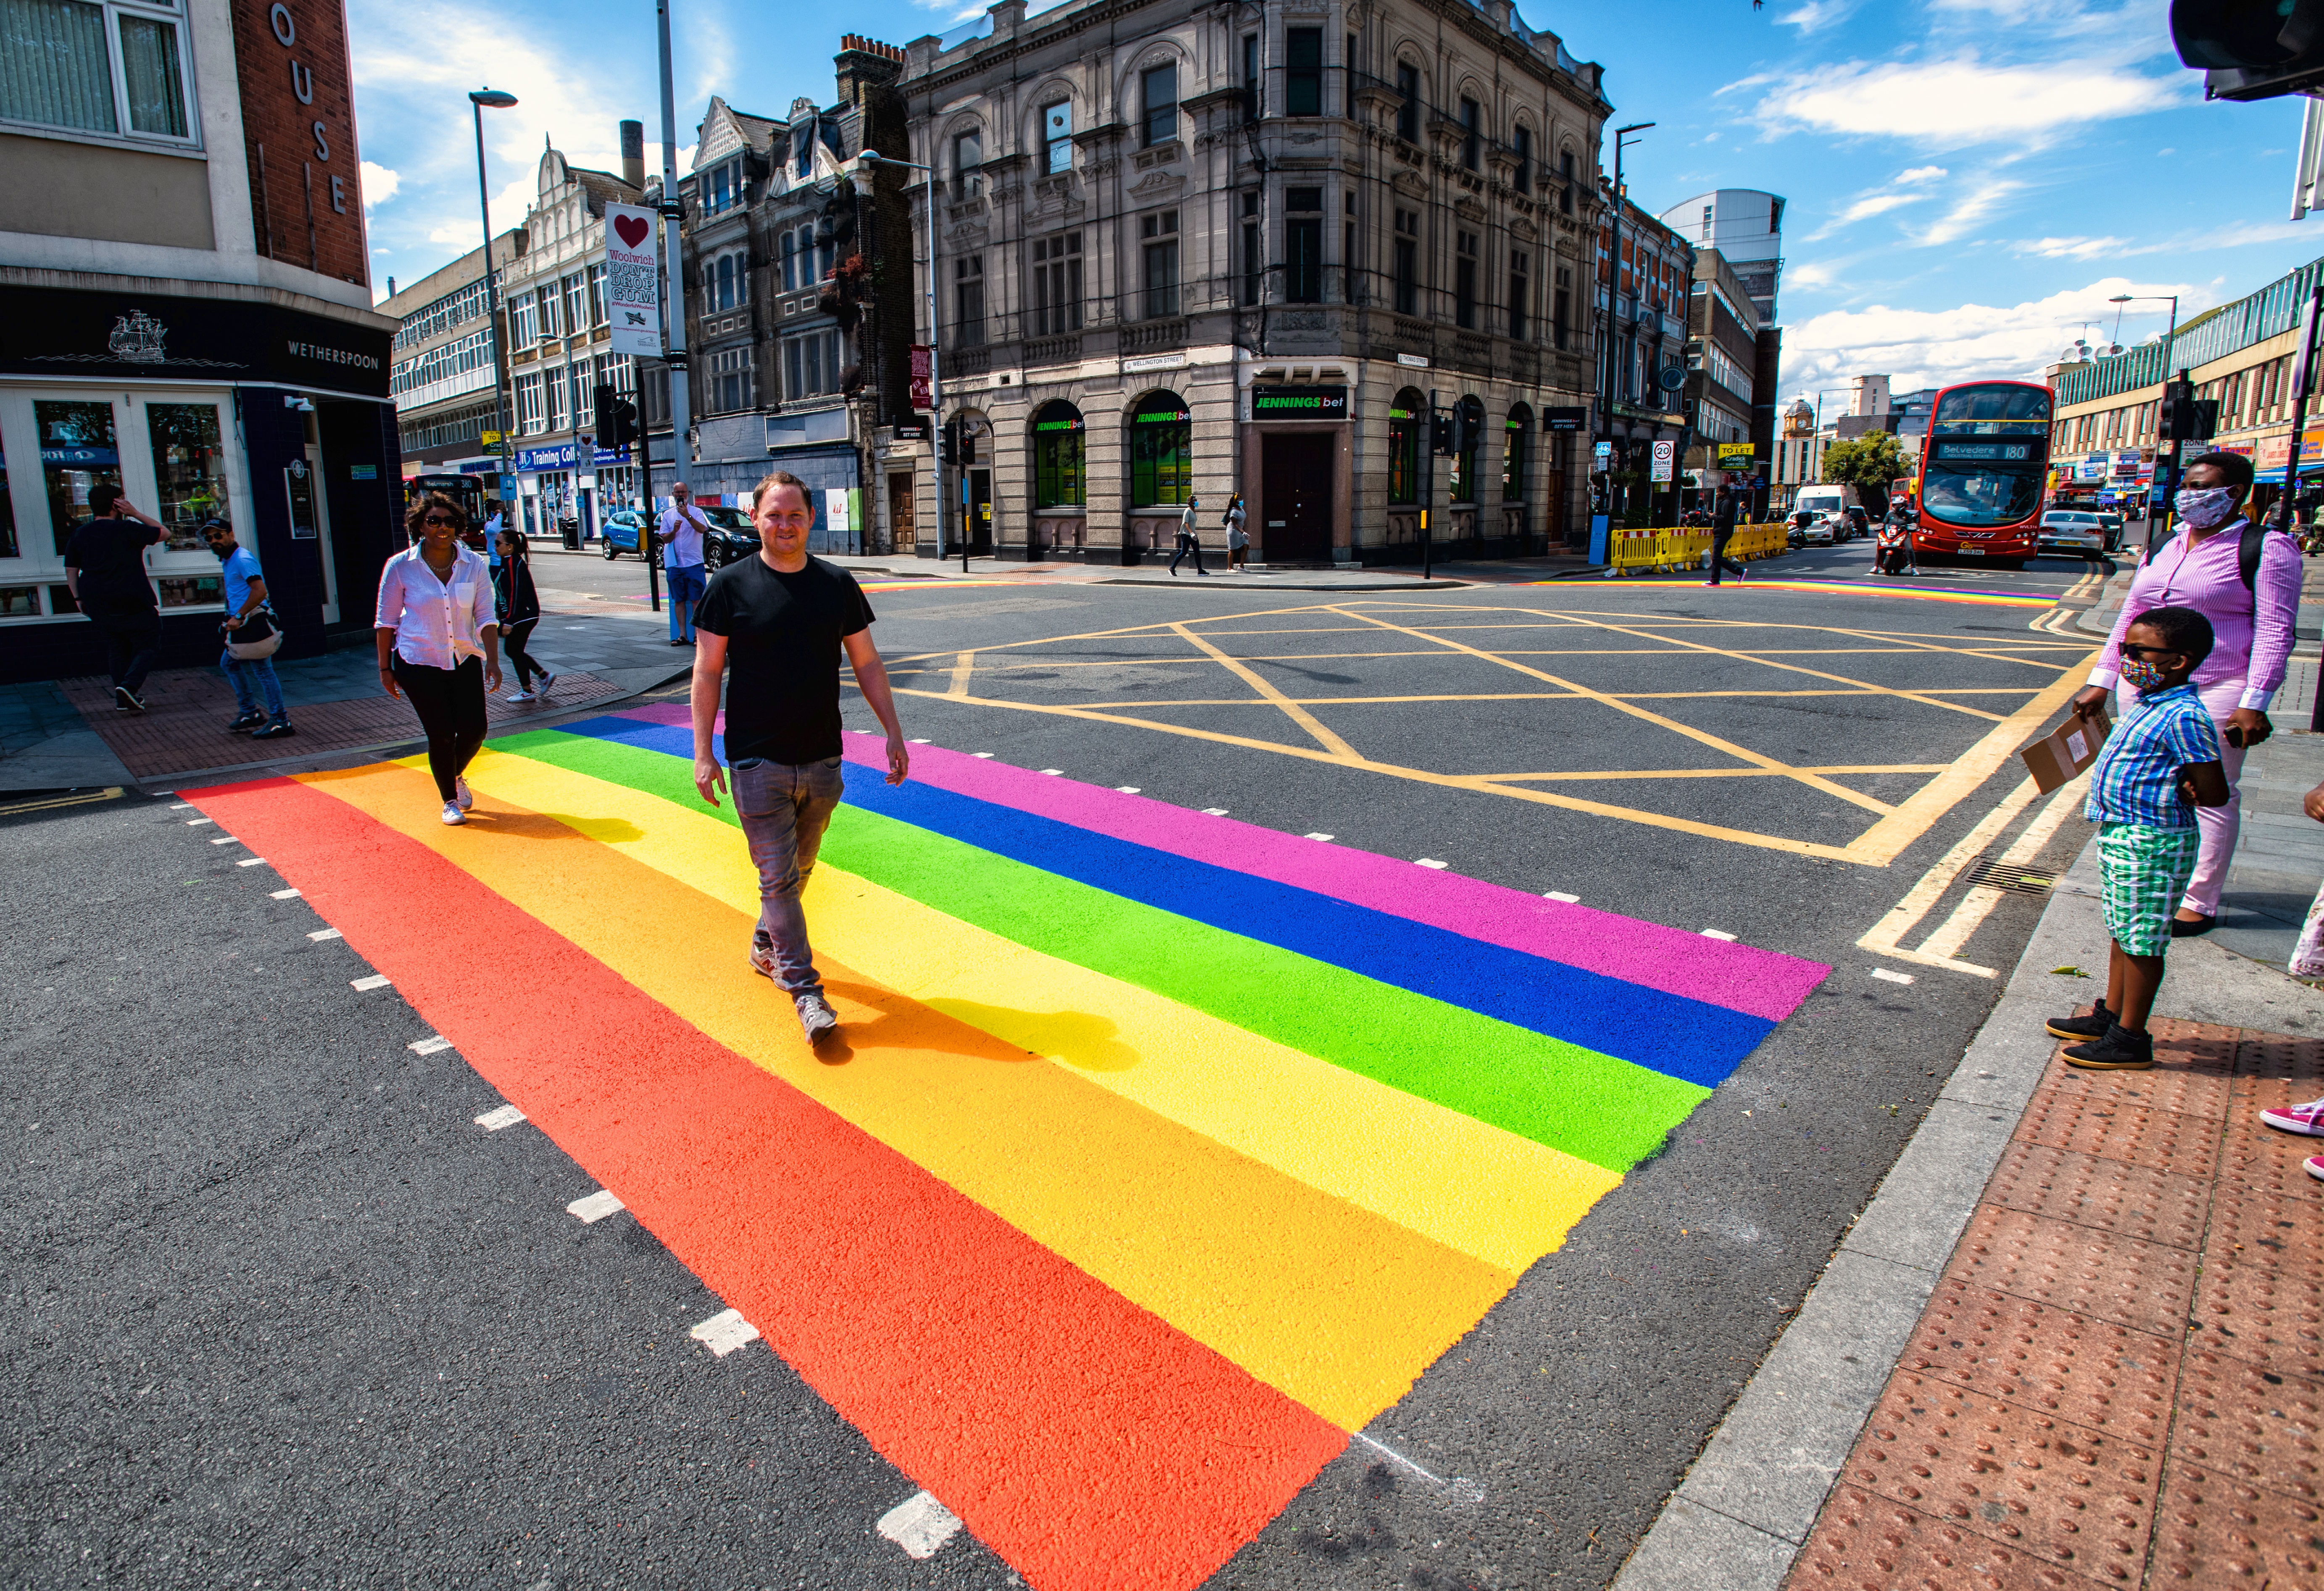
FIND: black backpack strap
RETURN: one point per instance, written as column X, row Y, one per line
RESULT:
column 2248, row 554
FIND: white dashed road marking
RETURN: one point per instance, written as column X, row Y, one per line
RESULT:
column 1214, row 811
column 1560, row 894
column 1883, row 972
column 200, row 823
column 919, row 1524
column 596, row 1207
column 921, row 742
column 507, row 1116
column 226, row 840
column 1319, row 836
column 430, row 1045
column 724, row 1332
column 1126, row 789
column 322, row 933
column 1053, row 771
column 1715, row 934
column 290, row 894
column 1429, row 862
column 251, row 861
column 366, row 985
column 980, row 754
column 176, row 806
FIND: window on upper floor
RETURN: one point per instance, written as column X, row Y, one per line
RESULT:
column 722, row 186
column 1566, row 180
column 597, row 295
column 574, row 290
column 1407, row 116
column 967, row 155
column 1407, row 262
column 1302, row 245
column 1470, row 137
column 1520, row 291
column 1160, row 235
column 552, row 388
column 524, row 321
column 1057, row 137
column 110, row 67
column 732, row 385
column 1464, row 279
column 1560, row 307
column 1303, row 71
column 968, row 300
column 811, row 364
column 1521, row 178
column 786, row 259
column 527, row 404
column 1254, row 250
column 1159, row 96
column 1057, row 284
column 1254, row 89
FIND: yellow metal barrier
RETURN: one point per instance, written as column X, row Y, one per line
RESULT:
column 1679, row 551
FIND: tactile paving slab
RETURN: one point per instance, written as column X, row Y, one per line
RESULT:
column 2077, row 1497
column 2112, row 1195
column 2212, row 1531
column 2254, row 1155
column 2264, row 1058
column 2265, row 1226
column 2145, row 1286
column 2071, row 1115
column 2195, row 1087
column 2255, row 1426
column 2267, row 1315
column 1867, row 1543
column 2095, row 1374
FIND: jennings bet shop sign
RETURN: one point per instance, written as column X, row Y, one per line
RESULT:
column 1304, row 403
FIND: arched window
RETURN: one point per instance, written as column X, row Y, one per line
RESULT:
column 1161, row 451
column 790, row 263
column 1513, row 461
column 1407, row 418
column 1060, row 475
column 1463, row 484
column 726, row 281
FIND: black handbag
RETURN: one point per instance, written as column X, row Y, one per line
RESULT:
column 258, row 637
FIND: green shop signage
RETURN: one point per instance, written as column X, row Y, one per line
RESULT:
column 1323, row 403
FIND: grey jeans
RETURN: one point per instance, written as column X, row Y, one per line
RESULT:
column 784, row 808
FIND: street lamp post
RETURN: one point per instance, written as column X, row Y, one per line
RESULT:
column 2169, row 487
column 936, row 386
column 497, row 100
column 1622, row 139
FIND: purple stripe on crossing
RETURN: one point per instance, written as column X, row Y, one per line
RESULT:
column 1740, row 977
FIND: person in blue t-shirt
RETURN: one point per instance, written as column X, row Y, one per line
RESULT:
column 248, row 618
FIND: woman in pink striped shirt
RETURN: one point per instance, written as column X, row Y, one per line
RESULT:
column 2251, row 626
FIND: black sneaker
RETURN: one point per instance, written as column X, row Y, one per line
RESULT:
column 2120, row 1050
column 125, row 700
column 274, row 732
column 2093, row 1027
column 247, row 722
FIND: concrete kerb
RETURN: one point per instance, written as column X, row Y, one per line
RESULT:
column 1747, row 1505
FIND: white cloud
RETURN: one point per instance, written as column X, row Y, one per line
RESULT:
column 1920, row 174
column 1812, row 16
column 1930, row 347
column 1871, row 205
column 379, row 184
column 1962, row 100
column 1969, row 210
column 2071, row 248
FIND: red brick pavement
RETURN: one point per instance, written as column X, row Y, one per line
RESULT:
column 2120, row 1380
column 183, row 726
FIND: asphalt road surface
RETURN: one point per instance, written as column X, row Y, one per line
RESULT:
column 280, row 1312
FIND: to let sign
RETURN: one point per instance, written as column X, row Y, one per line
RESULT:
column 633, row 280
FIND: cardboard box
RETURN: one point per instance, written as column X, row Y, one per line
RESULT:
column 2065, row 751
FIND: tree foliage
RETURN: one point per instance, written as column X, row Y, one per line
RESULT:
column 1870, row 463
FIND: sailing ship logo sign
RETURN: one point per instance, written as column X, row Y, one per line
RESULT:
column 137, row 338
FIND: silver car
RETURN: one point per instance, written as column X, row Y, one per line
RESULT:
column 2073, row 530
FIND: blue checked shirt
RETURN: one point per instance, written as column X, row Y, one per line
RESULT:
column 2135, row 779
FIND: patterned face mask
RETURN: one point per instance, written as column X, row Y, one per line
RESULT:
column 2207, row 506
column 2140, row 675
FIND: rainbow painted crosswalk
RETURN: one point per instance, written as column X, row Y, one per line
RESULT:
column 1163, row 1152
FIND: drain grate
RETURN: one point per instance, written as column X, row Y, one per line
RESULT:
column 2011, row 876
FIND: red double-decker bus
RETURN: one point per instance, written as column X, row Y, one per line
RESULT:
column 1982, row 472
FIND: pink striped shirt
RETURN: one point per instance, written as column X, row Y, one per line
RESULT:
column 2251, row 631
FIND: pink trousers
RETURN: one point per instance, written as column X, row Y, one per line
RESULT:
column 2220, row 824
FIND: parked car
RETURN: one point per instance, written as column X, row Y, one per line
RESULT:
column 2113, row 523
column 1809, row 528
column 2073, row 530
column 732, row 535
column 625, row 530
column 1860, row 521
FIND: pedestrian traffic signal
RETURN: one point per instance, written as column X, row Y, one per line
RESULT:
column 2251, row 48
column 1440, row 434
column 617, row 418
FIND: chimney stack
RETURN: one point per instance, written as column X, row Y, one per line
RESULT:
column 634, row 153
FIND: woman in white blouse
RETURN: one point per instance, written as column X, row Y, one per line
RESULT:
column 439, row 642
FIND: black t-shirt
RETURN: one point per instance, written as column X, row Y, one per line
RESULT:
column 783, row 655
column 110, row 554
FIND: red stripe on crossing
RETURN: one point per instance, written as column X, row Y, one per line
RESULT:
column 1085, row 1440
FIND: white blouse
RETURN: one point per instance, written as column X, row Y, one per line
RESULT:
column 437, row 623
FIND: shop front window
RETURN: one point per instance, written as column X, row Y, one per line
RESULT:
column 7, row 514
column 1406, row 417
column 188, row 470
column 1161, row 451
column 20, row 602
column 1059, row 465
column 192, row 591
column 1463, row 480
column 1513, row 462
column 78, row 454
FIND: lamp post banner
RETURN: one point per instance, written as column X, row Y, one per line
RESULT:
column 632, row 282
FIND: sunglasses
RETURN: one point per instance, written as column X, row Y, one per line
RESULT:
column 2138, row 652
column 440, row 520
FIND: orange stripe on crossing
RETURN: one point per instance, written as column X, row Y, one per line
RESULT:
column 1083, row 1438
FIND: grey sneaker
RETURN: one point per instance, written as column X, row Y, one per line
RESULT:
column 817, row 1019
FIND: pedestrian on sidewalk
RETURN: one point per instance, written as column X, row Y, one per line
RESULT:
column 1238, row 540
column 2160, row 762
column 105, row 570
column 782, row 618
column 2307, row 962
column 1722, row 531
column 519, row 607
column 2245, row 581
column 439, row 642
column 251, row 634
column 680, row 533
column 1188, row 541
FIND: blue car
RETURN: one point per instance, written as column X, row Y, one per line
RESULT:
column 624, row 531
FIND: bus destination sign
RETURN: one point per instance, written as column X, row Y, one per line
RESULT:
column 1992, row 451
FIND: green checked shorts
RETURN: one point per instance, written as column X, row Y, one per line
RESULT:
column 2145, row 872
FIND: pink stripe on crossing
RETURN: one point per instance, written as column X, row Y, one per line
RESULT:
column 1740, row 977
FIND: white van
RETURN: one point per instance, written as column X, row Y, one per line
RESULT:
column 1823, row 500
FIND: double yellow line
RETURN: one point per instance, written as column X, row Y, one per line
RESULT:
column 110, row 792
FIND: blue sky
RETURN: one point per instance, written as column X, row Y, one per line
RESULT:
column 1969, row 180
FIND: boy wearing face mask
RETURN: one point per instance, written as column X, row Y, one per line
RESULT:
column 2202, row 567
column 2161, row 763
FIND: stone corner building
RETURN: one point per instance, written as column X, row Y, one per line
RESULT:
column 1193, row 250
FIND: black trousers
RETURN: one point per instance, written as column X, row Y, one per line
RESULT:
column 1719, row 558
column 450, row 702
column 131, row 641
column 512, row 639
column 1187, row 544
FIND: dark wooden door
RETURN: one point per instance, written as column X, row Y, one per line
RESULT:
column 980, row 511
column 1296, row 493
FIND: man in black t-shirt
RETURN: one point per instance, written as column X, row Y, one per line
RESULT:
column 104, row 569
column 782, row 619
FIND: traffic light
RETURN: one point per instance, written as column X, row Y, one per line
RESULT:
column 617, row 418
column 2186, row 417
column 967, row 443
column 1440, row 434
column 948, row 443
column 2251, row 48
